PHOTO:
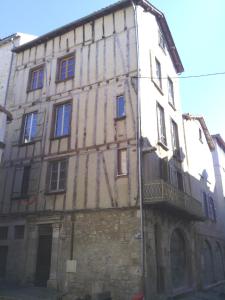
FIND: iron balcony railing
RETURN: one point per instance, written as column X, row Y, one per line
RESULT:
column 165, row 195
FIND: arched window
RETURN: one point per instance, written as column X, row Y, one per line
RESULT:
column 219, row 266
column 178, row 259
column 207, row 263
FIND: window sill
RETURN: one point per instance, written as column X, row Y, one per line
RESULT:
column 63, row 80
column 172, row 105
column 119, row 118
column 59, row 137
column 158, row 87
column 22, row 197
column 49, row 193
column 27, row 144
column 161, row 144
column 33, row 90
column 121, row 176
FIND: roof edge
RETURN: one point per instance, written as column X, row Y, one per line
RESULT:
column 220, row 141
column 109, row 9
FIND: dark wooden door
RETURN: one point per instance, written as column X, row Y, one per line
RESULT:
column 3, row 260
column 43, row 255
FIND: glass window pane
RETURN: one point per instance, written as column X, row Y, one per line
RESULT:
column 40, row 78
column 67, row 118
column 54, row 176
column 27, row 126
column 59, row 119
column 33, row 127
column 120, row 107
column 34, row 81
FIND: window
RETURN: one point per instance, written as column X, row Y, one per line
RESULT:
column 29, row 127
column 122, row 162
column 161, row 125
column 66, row 68
column 170, row 92
column 205, row 203
column 19, row 232
column 175, row 138
column 58, row 174
column 120, row 107
column 36, row 78
column 200, row 135
column 180, row 183
column 21, row 182
column 212, row 211
column 3, row 233
column 162, row 42
column 62, row 120
column 158, row 73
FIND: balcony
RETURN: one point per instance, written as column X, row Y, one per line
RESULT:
column 167, row 197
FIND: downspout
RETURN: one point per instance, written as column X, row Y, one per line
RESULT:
column 139, row 148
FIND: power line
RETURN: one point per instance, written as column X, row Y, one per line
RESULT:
column 182, row 77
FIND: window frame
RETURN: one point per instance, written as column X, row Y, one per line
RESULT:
column 170, row 86
column 161, row 127
column 4, row 235
column 24, row 184
column 158, row 77
column 30, row 78
column 175, row 139
column 17, row 233
column 118, row 116
column 60, row 60
column 49, row 190
column 54, row 120
column 24, row 122
column 120, row 172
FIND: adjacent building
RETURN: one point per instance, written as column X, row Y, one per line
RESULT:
column 6, row 63
column 100, row 192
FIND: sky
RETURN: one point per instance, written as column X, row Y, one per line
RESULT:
column 197, row 26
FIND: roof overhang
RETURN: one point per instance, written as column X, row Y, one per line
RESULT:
column 220, row 141
column 109, row 9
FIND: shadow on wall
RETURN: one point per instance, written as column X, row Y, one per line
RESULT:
column 177, row 206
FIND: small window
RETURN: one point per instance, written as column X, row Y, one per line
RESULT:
column 180, row 183
column 120, row 107
column 29, row 128
column 158, row 73
column 66, row 68
column 19, row 232
column 170, row 92
column 3, row 233
column 122, row 162
column 205, row 203
column 21, row 182
column 175, row 138
column 36, row 78
column 200, row 135
column 162, row 42
column 212, row 211
column 161, row 125
column 62, row 120
column 58, row 174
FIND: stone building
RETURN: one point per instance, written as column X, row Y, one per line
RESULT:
column 95, row 190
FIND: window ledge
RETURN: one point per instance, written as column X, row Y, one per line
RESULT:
column 49, row 193
column 161, row 144
column 121, row 176
column 33, row 90
column 63, row 80
column 21, row 197
column 158, row 87
column 120, row 118
column 172, row 105
column 27, row 144
column 59, row 137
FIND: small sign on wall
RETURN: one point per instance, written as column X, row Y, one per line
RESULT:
column 71, row 266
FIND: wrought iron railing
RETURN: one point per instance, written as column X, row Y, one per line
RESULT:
column 158, row 192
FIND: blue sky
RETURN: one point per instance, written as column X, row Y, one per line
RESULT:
column 197, row 26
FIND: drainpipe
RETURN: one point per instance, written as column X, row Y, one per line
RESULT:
column 139, row 148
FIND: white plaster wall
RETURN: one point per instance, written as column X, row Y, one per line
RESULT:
column 150, row 95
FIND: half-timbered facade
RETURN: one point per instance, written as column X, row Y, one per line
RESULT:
column 95, row 193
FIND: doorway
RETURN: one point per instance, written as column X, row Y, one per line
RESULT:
column 3, row 260
column 43, row 255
